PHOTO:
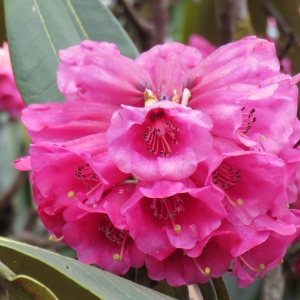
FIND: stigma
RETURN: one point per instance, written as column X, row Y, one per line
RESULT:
column 260, row 267
column 204, row 272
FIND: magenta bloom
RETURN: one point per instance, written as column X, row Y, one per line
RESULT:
column 61, row 122
column 102, row 237
column 250, row 182
column 244, row 89
column 180, row 268
column 261, row 245
column 161, row 141
column 10, row 98
column 239, row 86
column 178, row 160
column 165, row 215
column 78, row 169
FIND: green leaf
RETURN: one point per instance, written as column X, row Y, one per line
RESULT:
column 220, row 288
column 23, row 287
column 214, row 289
column 94, row 21
column 250, row 292
column 208, row 291
column 37, row 29
column 68, row 278
column 190, row 16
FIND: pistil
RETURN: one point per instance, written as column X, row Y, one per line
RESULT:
column 204, row 272
column 260, row 268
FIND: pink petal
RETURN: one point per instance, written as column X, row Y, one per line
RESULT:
column 96, row 72
column 167, row 65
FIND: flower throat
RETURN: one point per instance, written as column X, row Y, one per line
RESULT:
column 159, row 134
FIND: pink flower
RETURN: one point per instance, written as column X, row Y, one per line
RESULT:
column 250, row 182
column 180, row 268
column 238, row 86
column 165, row 215
column 170, row 144
column 261, row 245
column 244, row 89
column 10, row 98
column 88, row 72
column 101, row 74
column 102, row 237
column 78, row 169
column 61, row 122
column 259, row 259
column 207, row 143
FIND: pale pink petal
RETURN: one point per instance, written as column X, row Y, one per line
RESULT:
column 57, row 122
column 96, row 72
column 23, row 163
column 167, row 65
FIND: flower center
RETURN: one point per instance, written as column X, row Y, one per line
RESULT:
column 227, row 177
column 88, row 176
column 248, row 120
column 115, row 235
column 160, row 133
column 90, row 179
column 167, row 208
column 112, row 233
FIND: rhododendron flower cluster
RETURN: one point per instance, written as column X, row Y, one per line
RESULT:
column 10, row 98
column 176, row 161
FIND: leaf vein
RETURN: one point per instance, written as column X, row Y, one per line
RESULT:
column 77, row 19
column 45, row 28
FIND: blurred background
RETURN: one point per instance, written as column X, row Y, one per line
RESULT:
column 149, row 23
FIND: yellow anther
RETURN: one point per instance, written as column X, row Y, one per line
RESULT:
column 239, row 202
column 175, row 97
column 281, row 262
column 262, row 138
column 117, row 257
column 261, row 267
column 287, row 206
column 207, row 271
column 177, row 228
column 54, row 239
column 149, row 98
